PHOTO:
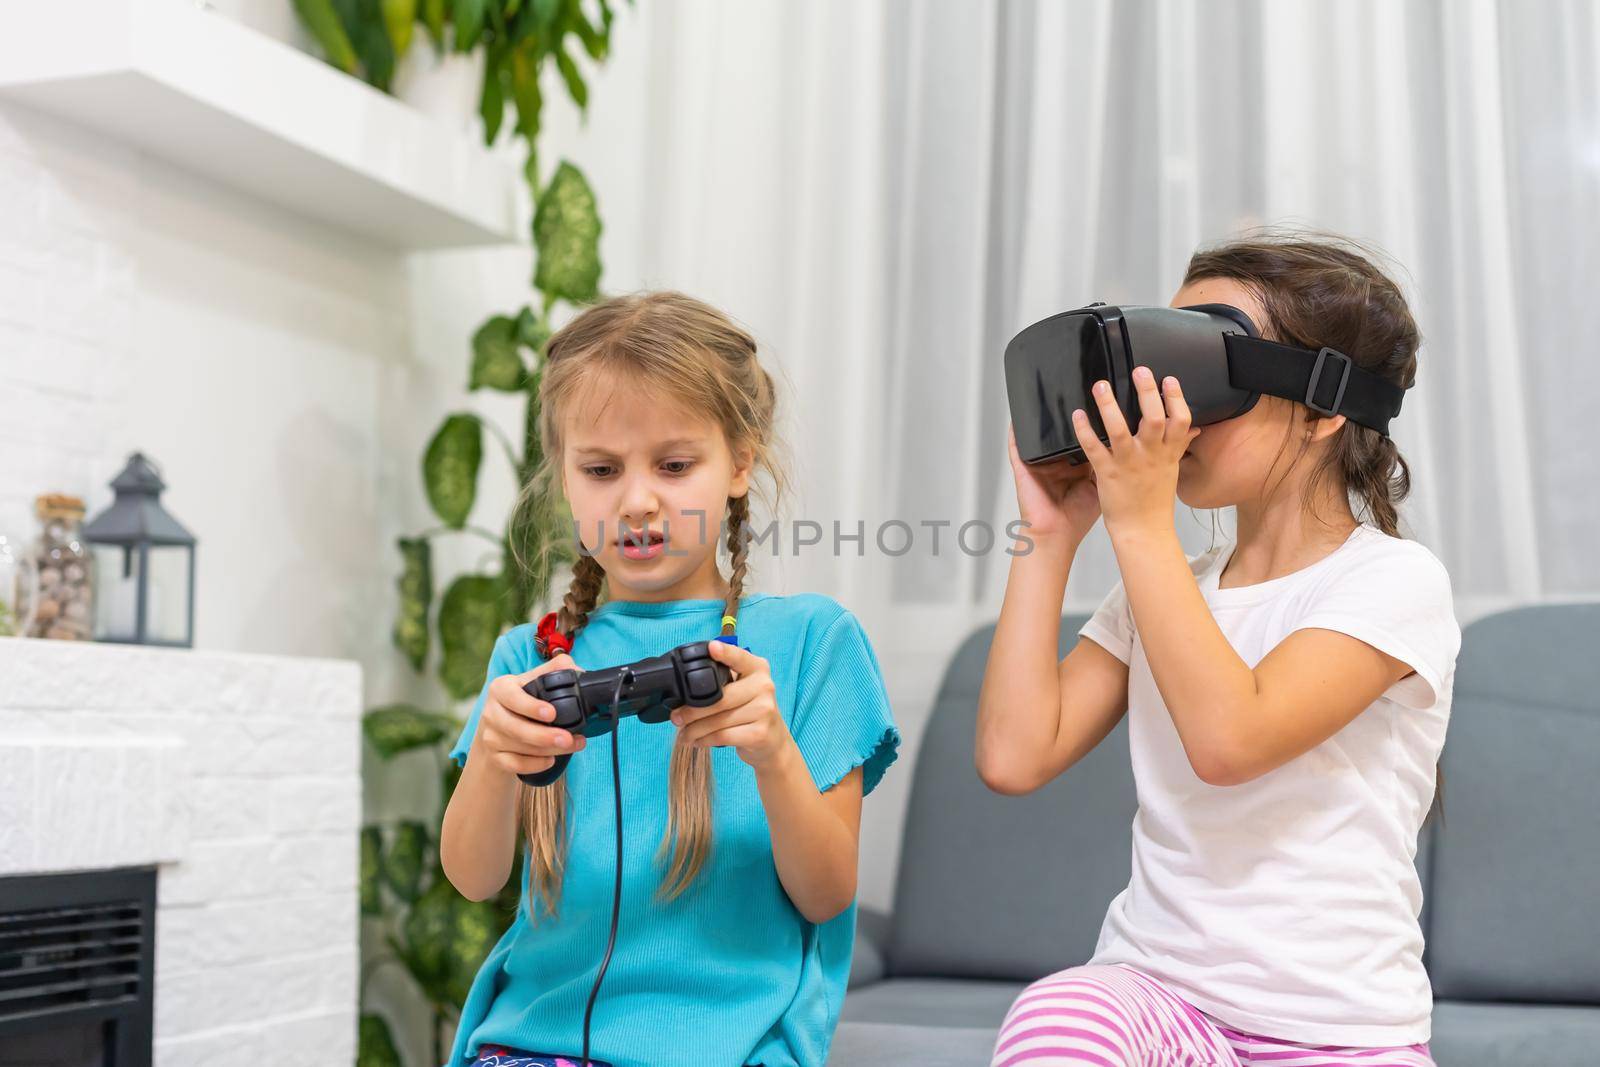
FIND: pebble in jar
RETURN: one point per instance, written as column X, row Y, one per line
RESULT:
column 62, row 605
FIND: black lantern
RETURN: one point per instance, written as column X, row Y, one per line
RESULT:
column 144, row 564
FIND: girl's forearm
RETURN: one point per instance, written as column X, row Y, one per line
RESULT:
column 1208, row 690
column 1019, row 707
column 813, row 849
column 478, row 838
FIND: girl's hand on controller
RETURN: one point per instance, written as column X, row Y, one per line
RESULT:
column 511, row 730
column 1055, row 499
column 746, row 717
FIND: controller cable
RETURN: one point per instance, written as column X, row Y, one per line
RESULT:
column 623, row 679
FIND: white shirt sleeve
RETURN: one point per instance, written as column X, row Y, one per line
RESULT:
column 1111, row 625
column 1398, row 601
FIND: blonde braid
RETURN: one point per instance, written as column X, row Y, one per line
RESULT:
column 544, row 808
column 739, row 551
column 582, row 595
column 689, row 839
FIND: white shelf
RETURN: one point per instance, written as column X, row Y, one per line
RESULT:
column 220, row 99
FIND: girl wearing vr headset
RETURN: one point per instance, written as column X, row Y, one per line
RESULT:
column 737, row 912
column 1287, row 696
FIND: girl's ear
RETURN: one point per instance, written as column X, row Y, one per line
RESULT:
column 743, row 462
column 1323, row 428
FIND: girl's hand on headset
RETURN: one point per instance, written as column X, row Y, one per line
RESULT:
column 1137, row 475
column 1056, row 499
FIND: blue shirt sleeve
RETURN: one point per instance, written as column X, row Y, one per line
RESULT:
column 511, row 651
column 842, row 719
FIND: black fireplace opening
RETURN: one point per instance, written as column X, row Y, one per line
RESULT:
column 77, row 968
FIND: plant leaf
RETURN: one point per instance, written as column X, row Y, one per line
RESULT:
column 469, row 23
column 542, row 530
column 433, row 17
column 529, row 529
column 447, row 938
column 363, row 21
column 525, row 90
column 371, row 862
column 596, row 42
column 451, row 776
column 450, row 468
column 509, row 898
column 322, row 20
column 517, row 593
column 532, row 330
column 469, row 625
column 575, row 84
column 402, row 864
column 396, row 728
column 566, row 232
column 375, row 1047
column 492, row 99
column 399, row 18
column 496, row 362
column 416, row 596
column 532, row 446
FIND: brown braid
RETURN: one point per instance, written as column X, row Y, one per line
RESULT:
column 1319, row 290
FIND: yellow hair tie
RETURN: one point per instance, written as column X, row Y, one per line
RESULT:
column 730, row 621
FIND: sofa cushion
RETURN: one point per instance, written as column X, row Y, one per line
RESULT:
column 933, row 1002
column 934, row 1022
column 877, row 1044
column 1516, row 858
column 1005, row 887
column 867, row 963
column 1513, row 1035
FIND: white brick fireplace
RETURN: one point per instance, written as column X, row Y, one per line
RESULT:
column 239, row 777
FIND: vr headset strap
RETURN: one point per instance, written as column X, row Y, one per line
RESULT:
column 1325, row 381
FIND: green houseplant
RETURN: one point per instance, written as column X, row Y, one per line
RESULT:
column 437, row 936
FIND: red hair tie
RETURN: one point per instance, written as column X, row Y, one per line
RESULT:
column 551, row 638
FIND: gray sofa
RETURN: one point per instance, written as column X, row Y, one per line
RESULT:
column 995, row 891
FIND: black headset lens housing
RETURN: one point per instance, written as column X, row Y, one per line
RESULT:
column 1214, row 350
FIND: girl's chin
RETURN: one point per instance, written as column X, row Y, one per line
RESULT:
column 1190, row 498
column 1190, row 494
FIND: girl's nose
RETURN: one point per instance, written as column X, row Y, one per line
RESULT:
column 639, row 503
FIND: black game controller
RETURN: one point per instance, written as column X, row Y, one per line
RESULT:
column 591, row 702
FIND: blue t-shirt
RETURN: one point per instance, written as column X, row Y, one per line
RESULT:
column 729, row 972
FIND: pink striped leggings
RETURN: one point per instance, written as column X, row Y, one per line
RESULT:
column 1118, row 1017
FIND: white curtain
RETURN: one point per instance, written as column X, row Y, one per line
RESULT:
column 886, row 191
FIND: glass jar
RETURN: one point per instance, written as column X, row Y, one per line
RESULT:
column 16, row 588
column 62, row 602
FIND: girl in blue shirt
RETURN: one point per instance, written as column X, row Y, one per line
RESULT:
column 741, row 820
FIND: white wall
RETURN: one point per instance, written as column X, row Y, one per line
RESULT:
column 239, row 346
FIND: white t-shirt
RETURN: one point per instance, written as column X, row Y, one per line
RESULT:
column 1287, row 906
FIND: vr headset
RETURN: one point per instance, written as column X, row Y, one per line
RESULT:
column 1214, row 351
